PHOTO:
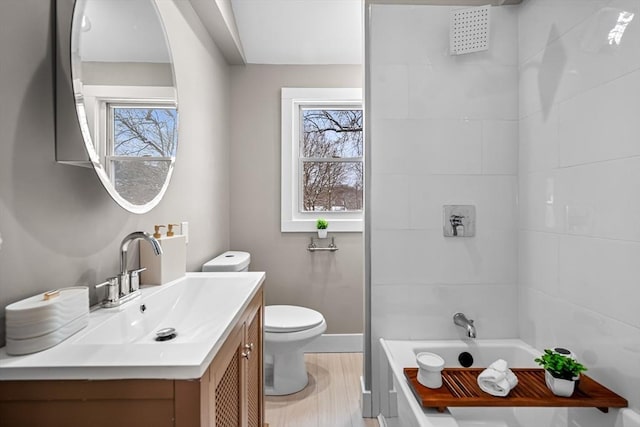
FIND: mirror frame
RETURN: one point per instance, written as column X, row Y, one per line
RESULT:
column 73, row 142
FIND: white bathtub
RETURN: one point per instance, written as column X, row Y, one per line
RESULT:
column 518, row 354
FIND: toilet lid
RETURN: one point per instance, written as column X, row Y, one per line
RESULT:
column 290, row 318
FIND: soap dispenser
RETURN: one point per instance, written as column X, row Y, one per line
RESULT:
column 170, row 230
column 156, row 233
column 170, row 265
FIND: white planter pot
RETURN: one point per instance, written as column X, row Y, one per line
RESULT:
column 558, row 386
column 322, row 233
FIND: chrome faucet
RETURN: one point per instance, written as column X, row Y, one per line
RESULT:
column 125, row 286
column 124, row 278
column 461, row 320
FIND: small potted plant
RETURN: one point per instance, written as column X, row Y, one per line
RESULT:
column 561, row 372
column 321, row 225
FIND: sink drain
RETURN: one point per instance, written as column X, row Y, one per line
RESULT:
column 166, row 334
column 466, row 359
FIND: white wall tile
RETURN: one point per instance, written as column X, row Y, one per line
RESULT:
column 453, row 142
column 541, row 79
column 391, row 202
column 609, row 348
column 493, row 196
column 400, row 256
column 592, row 59
column 579, row 157
column 538, row 142
column 463, row 91
column 538, row 204
column 427, row 146
column 602, row 123
column 389, row 92
column 601, row 275
column 503, row 42
column 601, row 199
column 538, row 261
column 452, row 146
column 401, row 34
column 486, row 258
column 431, row 309
column 420, row 35
column 426, row 311
column 389, row 302
column 578, row 167
column 543, row 21
column 500, row 147
column 391, row 140
column 427, row 257
column 580, row 60
column 528, row 92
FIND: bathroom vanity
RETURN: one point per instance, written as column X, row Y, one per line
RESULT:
column 114, row 373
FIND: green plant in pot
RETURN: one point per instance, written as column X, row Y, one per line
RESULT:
column 561, row 372
column 321, row 225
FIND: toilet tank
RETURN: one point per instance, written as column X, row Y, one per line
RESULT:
column 229, row 261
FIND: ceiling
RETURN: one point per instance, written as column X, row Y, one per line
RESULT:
column 300, row 31
column 270, row 31
column 312, row 31
column 120, row 31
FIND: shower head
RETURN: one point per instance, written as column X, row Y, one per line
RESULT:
column 469, row 30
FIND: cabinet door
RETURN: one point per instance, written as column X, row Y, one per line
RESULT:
column 226, row 385
column 254, row 365
column 236, row 374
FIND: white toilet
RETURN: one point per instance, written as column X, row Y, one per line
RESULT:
column 287, row 329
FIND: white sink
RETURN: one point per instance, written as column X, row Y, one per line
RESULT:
column 192, row 306
column 120, row 343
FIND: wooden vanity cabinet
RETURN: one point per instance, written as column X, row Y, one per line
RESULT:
column 229, row 394
column 236, row 376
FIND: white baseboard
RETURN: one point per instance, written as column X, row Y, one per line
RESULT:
column 366, row 404
column 336, row 343
column 393, row 402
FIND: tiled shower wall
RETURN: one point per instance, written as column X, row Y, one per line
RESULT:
column 579, row 184
column 444, row 130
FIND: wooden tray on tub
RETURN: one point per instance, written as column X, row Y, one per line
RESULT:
column 460, row 388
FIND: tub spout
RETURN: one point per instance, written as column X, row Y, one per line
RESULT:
column 461, row 320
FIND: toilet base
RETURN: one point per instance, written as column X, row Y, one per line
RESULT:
column 285, row 373
column 284, row 368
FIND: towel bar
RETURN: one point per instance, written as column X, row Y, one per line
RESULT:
column 331, row 248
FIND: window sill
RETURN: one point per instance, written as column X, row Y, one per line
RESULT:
column 309, row 226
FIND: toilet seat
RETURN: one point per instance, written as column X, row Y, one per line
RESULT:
column 290, row 318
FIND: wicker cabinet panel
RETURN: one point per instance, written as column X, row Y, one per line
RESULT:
column 236, row 374
column 254, row 371
column 227, row 396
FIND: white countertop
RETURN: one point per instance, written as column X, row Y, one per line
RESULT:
column 119, row 343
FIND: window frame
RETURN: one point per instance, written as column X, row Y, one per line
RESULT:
column 109, row 139
column 293, row 100
column 99, row 98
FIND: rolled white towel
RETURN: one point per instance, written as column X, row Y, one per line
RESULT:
column 497, row 379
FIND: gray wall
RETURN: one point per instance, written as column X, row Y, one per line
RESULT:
column 59, row 226
column 331, row 283
column 127, row 73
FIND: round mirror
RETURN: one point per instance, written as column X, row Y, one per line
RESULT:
column 125, row 96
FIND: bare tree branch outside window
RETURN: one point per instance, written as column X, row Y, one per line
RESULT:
column 331, row 154
column 144, row 143
column 144, row 132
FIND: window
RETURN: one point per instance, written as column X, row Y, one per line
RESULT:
column 135, row 136
column 141, row 145
column 322, row 159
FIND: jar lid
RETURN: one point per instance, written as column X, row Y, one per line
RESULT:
column 430, row 361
